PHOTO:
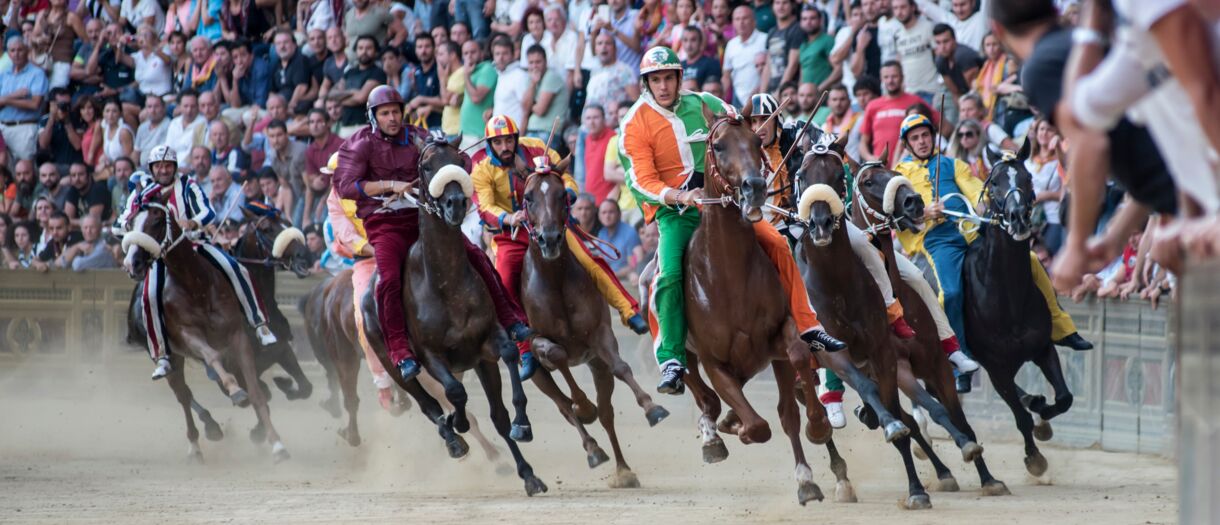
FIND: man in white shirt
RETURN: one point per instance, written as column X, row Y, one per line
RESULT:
column 969, row 25
column 745, row 57
column 142, row 12
column 512, row 82
column 152, row 130
column 913, row 47
column 189, row 128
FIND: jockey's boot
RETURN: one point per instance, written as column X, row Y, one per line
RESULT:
column 671, row 379
column 520, row 332
column 964, row 383
column 1075, row 342
column 834, row 414
column 902, row 329
column 385, row 397
column 163, row 368
column 963, row 363
column 409, row 368
column 637, row 324
column 818, row 339
column 527, row 365
column 265, row 337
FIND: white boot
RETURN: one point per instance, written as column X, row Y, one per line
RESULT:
column 962, row 362
column 834, row 413
column 163, row 368
column 267, row 338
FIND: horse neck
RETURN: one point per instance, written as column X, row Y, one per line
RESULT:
column 1003, row 258
column 262, row 275
column 885, row 242
column 442, row 243
column 835, row 253
column 183, row 264
column 727, row 223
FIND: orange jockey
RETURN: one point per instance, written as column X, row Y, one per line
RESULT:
column 501, row 211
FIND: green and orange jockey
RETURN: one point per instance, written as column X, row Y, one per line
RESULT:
column 662, row 151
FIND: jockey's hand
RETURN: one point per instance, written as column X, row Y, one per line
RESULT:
column 932, row 212
column 690, row 198
column 515, row 219
column 187, row 224
column 366, row 250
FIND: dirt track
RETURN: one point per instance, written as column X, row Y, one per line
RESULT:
column 114, row 449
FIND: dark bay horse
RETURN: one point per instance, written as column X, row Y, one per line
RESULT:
column 450, row 314
column 881, row 201
column 564, row 306
column 203, row 319
column 739, row 323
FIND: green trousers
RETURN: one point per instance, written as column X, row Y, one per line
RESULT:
column 668, row 304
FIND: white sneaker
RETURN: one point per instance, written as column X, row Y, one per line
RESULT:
column 962, row 362
column 834, row 413
column 265, row 336
column 163, row 368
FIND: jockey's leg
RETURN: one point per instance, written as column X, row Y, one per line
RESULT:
column 239, row 279
column 362, row 274
column 667, row 306
column 607, row 283
column 1061, row 323
column 869, row 255
column 510, row 257
column 776, row 248
column 392, row 238
column 154, row 318
column 508, row 309
column 945, row 248
column 914, row 278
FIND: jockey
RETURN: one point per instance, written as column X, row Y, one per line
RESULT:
column 662, row 151
column 500, row 192
column 351, row 241
column 191, row 210
column 945, row 246
column 382, row 160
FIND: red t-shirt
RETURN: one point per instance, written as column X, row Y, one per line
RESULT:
column 883, row 119
column 595, row 165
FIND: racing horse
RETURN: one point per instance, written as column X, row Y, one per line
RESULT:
column 564, row 306
column 450, row 314
column 204, row 320
column 882, row 200
column 738, row 318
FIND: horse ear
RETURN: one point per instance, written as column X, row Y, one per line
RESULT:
column 840, row 145
column 249, row 215
column 993, row 156
column 1025, row 147
column 707, row 114
column 562, row 166
column 885, row 155
column 748, row 109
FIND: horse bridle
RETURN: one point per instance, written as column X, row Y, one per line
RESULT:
column 729, row 195
column 264, row 244
column 972, row 216
column 166, row 243
column 884, row 223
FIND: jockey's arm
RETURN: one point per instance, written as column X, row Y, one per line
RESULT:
column 491, row 212
column 198, row 209
column 350, row 176
column 970, row 185
column 646, row 179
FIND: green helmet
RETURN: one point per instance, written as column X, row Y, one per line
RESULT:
column 659, row 58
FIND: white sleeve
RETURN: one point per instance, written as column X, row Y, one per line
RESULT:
column 933, row 11
column 996, row 134
column 1142, row 14
column 1104, row 94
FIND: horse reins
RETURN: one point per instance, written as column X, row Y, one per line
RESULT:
column 712, row 168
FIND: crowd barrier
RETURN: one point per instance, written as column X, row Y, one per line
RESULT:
column 1198, row 447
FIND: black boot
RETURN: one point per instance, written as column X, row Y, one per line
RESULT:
column 820, row 340
column 409, row 368
column 671, row 380
column 1075, row 342
column 965, row 383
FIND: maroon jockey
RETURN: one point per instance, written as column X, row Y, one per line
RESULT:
column 382, row 160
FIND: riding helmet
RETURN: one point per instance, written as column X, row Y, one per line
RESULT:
column 764, row 105
column 499, row 126
column 914, row 121
column 659, row 58
column 162, row 153
column 379, row 96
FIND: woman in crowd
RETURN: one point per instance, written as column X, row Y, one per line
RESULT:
column 967, row 146
column 58, row 28
column 20, row 253
column 533, row 29
column 997, row 77
column 1043, row 165
column 113, row 138
column 88, row 121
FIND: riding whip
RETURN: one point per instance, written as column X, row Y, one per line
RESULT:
column 935, row 140
column 804, row 129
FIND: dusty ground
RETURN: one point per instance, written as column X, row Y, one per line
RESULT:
column 108, row 445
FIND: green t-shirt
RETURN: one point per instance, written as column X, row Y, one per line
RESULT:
column 551, row 83
column 815, row 59
column 764, row 18
column 484, row 75
column 820, row 117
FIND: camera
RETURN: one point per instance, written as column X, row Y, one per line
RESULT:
column 63, row 106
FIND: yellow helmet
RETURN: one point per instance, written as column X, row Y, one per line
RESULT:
column 331, row 165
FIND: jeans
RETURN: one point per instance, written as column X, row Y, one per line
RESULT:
column 470, row 12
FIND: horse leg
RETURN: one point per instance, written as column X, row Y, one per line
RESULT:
column 1051, row 368
column 455, row 393
column 790, row 420
column 211, row 429
column 239, row 343
column 177, row 383
column 887, row 386
column 521, row 430
column 545, row 383
column 709, row 404
column 844, row 492
column 817, row 428
column 585, row 410
column 1004, row 385
column 603, row 381
column 212, row 358
column 331, row 404
column 288, row 361
column 348, row 371
column 869, row 391
column 945, row 482
column 489, row 376
column 754, row 429
column 454, row 443
column 921, row 398
column 653, row 412
column 941, row 386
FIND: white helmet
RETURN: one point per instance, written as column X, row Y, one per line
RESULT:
column 162, row 154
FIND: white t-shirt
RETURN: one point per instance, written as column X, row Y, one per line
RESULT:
column 581, row 14
column 740, row 56
column 844, row 38
column 969, row 32
column 1046, row 178
column 153, row 75
column 561, row 52
column 510, row 94
column 135, row 11
column 995, row 134
column 913, row 47
column 886, row 27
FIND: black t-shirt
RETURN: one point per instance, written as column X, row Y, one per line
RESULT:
column 61, row 149
column 703, row 70
column 331, row 70
column 287, row 77
column 779, row 43
column 872, row 52
column 53, row 249
column 354, row 79
column 964, row 59
column 96, row 194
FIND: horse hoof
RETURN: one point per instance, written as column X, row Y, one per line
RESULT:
column 1034, row 403
column 971, row 452
column 1036, row 464
column 919, row 453
column 844, row 493
column 624, row 479
column 867, row 417
column 458, row 422
column 597, row 457
column 729, row 424
column 285, row 386
column 194, row 456
column 457, row 447
column 332, row 406
column 918, row 502
column 656, row 415
column 896, row 430
column 715, row 451
column 586, row 412
column 212, row 431
column 807, row 492
column 760, row 433
column 258, row 434
column 533, row 486
column 521, row 434
column 351, row 436
column 948, row 484
column 240, row 398
column 995, row 487
column 1043, row 431
column 279, row 453
column 818, row 434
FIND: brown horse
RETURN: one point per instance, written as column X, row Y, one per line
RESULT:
column 565, row 307
column 203, row 319
column 738, row 317
column 450, row 315
column 884, row 199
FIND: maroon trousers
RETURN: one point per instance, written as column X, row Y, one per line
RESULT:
column 392, row 237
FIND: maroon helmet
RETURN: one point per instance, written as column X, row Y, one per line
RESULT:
column 380, row 96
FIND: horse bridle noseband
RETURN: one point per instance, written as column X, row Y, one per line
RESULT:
column 264, row 244
column 729, row 195
column 883, row 223
column 166, row 243
column 972, row 216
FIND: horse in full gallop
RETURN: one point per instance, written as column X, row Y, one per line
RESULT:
column 564, row 306
column 450, row 314
column 204, row 320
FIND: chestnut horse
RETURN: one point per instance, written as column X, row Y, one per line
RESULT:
column 564, row 306
column 450, row 314
column 739, row 323
column 203, row 319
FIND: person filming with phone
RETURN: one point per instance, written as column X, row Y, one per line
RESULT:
column 56, row 133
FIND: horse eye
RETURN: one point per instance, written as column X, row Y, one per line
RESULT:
column 868, row 182
column 718, row 147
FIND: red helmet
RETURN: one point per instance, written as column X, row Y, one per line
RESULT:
column 380, row 96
